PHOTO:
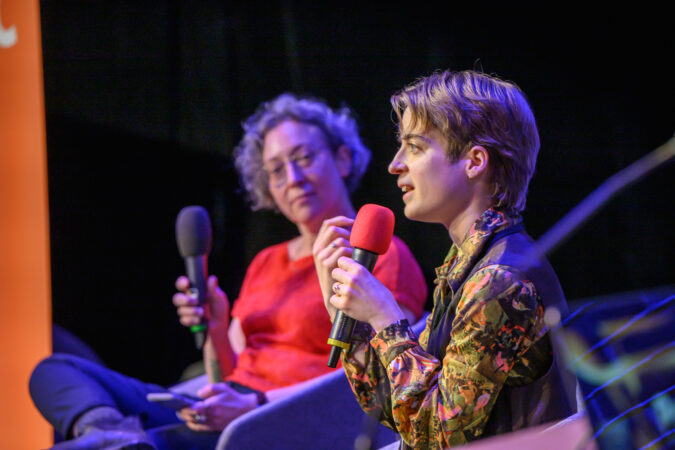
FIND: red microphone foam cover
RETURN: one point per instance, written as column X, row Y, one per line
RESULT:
column 373, row 228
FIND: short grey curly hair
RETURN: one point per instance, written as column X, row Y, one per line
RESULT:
column 338, row 126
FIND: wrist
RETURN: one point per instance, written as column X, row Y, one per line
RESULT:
column 256, row 399
column 219, row 329
column 382, row 321
column 261, row 398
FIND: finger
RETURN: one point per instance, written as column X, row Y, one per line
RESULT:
column 339, row 242
column 337, row 221
column 331, row 229
column 338, row 302
column 180, row 299
column 336, row 288
column 185, row 414
column 197, row 426
column 182, row 283
column 212, row 283
column 331, row 261
column 343, row 241
column 198, row 408
column 340, row 275
column 329, row 255
column 190, row 311
column 333, row 233
column 216, row 296
column 324, row 253
column 212, row 389
column 348, row 265
column 188, row 321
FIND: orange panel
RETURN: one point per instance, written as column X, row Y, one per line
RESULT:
column 25, row 334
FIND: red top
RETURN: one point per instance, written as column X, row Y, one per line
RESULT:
column 285, row 322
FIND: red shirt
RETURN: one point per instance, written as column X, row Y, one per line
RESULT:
column 285, row 322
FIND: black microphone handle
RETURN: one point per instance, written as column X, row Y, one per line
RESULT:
column 343, row 325
column 195, row 266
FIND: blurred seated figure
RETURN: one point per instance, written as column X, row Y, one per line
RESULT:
column 301, row 158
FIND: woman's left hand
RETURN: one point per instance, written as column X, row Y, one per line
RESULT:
column 363, row 297
column 221, row 405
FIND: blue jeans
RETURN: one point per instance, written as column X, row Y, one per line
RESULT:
column 64, row 386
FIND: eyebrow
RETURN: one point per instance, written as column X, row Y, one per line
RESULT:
column 293, row 151
column 408, row 136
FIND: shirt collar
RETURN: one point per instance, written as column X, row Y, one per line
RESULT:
column 461, row 258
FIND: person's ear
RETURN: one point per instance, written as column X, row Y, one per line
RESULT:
column 477, row 160
column 343, row 161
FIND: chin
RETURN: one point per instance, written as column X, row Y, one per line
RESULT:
column 417, row 215
column 409, row 212
column 307, row 216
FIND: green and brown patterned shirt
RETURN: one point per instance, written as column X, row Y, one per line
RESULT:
column 437, row 404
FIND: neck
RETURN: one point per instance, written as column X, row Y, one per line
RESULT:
column 301, row 246
column 461, row 224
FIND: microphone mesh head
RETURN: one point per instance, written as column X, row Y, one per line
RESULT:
column 373, row 229
column 193, row 231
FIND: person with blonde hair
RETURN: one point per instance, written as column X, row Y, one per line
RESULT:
column 484, row 363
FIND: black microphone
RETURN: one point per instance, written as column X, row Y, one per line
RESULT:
column 371, row 235
column 193, row 235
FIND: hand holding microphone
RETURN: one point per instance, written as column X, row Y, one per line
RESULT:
column 190, row 313
column 194, row 236
column 358, row 294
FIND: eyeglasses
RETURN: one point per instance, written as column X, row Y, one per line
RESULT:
column 277, row 172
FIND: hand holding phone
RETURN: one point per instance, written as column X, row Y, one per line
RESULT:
column 172, row 400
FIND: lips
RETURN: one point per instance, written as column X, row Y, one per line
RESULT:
column 407, row 190
column 302, row 197
column 405, row 187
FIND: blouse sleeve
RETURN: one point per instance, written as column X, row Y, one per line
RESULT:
column 433, row 403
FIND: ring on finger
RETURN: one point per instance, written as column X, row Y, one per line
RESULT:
column 333, row 244
column 336, row 288
column 199, row 418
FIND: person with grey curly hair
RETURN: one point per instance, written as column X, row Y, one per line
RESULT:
column 299, row 157
column 339, row 128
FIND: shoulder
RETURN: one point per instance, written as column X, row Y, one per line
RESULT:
column 505, row 287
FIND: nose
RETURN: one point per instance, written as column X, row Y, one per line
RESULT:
column 397, row 165
column 294, row 173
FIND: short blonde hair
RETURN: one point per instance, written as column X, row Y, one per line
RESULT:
column 471, row 108
column 338, row 126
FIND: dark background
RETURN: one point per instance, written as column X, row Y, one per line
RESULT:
column 144, row 101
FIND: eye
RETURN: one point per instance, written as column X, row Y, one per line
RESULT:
column 305, row 159
column 275, row 170
column 412, row 148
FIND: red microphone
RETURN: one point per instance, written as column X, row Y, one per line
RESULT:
column 370, row 237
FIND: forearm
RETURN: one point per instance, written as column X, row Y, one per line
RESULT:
column 434, row 404
column 442, row 403
column 418, row 397
column 367, row 376
column 219, row 357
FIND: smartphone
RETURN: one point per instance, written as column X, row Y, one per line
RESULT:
column 172, row 400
